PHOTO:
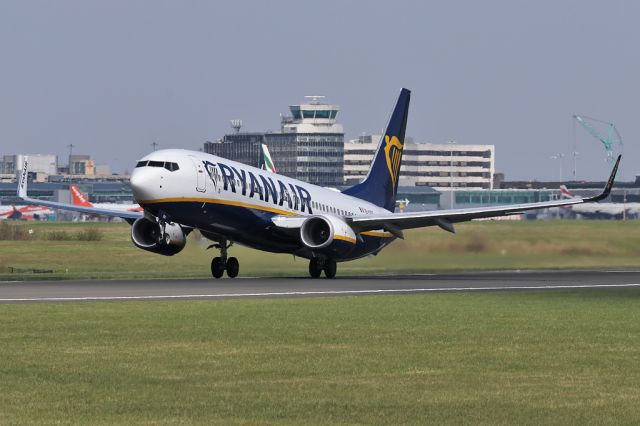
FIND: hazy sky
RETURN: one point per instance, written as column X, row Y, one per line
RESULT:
column 113, row 76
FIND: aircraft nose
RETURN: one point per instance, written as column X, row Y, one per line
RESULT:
column 142, row 180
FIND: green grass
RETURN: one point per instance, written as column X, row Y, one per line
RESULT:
column 476, row 246
column 568, row 357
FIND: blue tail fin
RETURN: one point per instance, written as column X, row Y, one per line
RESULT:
column 381, row 184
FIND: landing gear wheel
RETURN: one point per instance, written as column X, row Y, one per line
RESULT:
column 330, row 268
column 233, row 267
column 315, row 267
column 217, row 267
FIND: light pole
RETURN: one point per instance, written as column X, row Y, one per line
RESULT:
column 559, row 157
column 575, row 160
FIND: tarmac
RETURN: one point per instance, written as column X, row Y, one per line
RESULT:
column 171, row 289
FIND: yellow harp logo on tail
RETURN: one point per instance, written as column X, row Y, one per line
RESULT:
column 393, row 154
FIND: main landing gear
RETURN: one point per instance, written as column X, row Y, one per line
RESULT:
column 317, row 265
column 224, row 263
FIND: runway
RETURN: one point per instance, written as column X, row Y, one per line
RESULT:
column 122, row 290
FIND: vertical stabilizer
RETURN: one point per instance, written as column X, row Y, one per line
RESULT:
column 23, row 180
column 79, row 199
column 381, row 184
column 267, row 162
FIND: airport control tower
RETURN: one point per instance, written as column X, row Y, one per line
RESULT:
column 310, row 144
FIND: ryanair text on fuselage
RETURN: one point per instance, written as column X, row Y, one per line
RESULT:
column 260, row 187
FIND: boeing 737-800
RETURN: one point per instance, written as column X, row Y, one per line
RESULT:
column 229, row 202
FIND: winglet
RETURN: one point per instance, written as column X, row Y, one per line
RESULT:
column 607, row 189
column 22, row 183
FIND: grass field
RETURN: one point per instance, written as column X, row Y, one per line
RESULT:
column 477, row 245
column 483, row 358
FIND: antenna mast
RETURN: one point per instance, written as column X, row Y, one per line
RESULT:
column 236, row 125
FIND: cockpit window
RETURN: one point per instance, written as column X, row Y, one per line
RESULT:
column 172, row 167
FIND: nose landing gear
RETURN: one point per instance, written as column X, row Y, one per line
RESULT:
column 223, row 263
column 317, row 265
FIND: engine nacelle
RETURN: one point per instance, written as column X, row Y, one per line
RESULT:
column 319, row 232
column 147, row 235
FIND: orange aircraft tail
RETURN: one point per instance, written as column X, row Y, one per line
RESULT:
column 79, row 199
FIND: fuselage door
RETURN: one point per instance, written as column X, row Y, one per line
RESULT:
column 201, row 176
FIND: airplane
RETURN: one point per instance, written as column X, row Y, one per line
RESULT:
column 599, row 210
column 80, row 199
column 25, row 213
column 229, row 202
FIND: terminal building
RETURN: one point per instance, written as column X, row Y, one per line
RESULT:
column 243, row 147
column 308, row 147
column 447, row 165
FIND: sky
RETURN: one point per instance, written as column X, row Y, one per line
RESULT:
column 111, row 77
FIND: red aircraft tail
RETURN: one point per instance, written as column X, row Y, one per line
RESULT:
column 79, row 199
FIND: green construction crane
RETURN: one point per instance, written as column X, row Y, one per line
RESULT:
column 610, row 141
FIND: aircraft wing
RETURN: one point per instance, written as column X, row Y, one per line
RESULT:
column 22, row 193
column 396, row 222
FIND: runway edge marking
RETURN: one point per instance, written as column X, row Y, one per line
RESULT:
column 315, row 293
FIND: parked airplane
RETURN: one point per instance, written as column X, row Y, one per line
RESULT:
column 600, row 210
column 80, row 199
column 24, row 212
column 229, row 202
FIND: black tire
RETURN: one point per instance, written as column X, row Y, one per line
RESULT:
column 233, row 267
column 330, row 268
column 315, row 267
column 217, row 267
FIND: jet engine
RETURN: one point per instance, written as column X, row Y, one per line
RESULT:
column 149, row 235
column 319, row 232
